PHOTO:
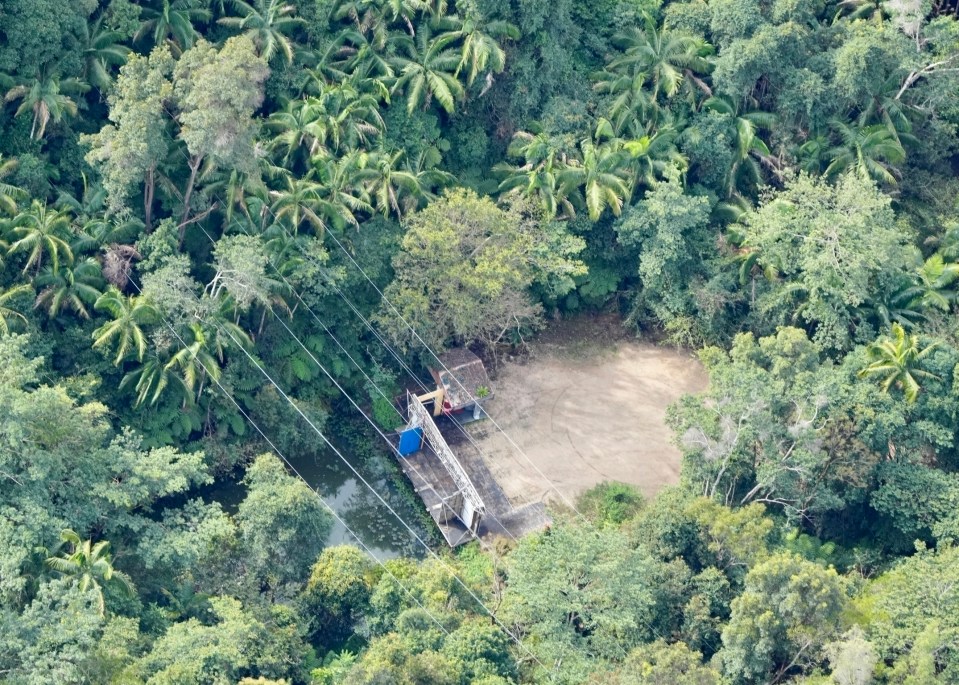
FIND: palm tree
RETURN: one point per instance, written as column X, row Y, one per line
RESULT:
column 357, row 54
column 9, row 194
column 41, row 232
column 859, row 9
column 102, row 50
column 69, row 286
column 632, row 105
column 601, row 177
column 651, row 156
column 886, row 108
column 339, row 117
column 194, row 361
column 339, row 195
column 151, row 378
column 663, row 56
column 867, row 151
column 390, row 187
column 896, row 361
column 366, row 16
column 6, row 312
column 934, row 284
column 90, row 565
column 749, row 147
column 539, row 175
column 324, row 196
column 480, row 51
column 266, row 22
column 427, row 68
column 125, row 330
column 298, row 130
column 172, row 22
column 42, row 97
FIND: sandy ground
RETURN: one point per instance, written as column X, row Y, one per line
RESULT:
column 586, row 406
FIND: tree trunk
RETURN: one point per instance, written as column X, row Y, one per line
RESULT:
column 148, row 190
column 188, row 195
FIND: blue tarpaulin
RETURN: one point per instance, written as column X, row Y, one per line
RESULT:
column 411, row 439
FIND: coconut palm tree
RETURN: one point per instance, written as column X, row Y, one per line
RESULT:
column 632, row 105
column 152, row 378
column 426, row 67
column 601, row 177
column 665, row 57
column 267, row 23
column 45, row 96
column 9, row 194
column 867, row 151
column 42, row 233
column 896, row 360
column 651, row 156
column 481, row 51
column 325, row 196
column 102, row 50
column 7, row 313
column 934, row 284
column 340, row 195
column 298, row 131
column 355, row 53
column 538, row 177
column 90, row 565
column 125, row 329
column 749, row 148
column 194, row 360
column 69, row 286
column 172, row 21
column 296, row 204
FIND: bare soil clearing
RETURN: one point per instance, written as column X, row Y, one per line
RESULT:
column 586, row 406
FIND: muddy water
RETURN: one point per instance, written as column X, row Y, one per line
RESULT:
column 363, row 516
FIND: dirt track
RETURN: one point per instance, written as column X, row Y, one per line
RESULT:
column 587, row 406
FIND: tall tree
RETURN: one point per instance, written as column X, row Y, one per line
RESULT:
column 427, row 65
column 74, row 285
column 41, row 232
column 267, row 23
column 217, row 92
column 90, row 564
column 171, row 23
column 46, row 96
column 129, row 150
column 125, row 331
column 897, row 361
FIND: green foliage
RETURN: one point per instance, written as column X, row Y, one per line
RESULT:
column 612, row 503
column 338, row 593
column 667, row 228
column 789, row 610
column 607, row 604
column 281, row 521
column 464, row 271
column 774, row 178
column 831, row 248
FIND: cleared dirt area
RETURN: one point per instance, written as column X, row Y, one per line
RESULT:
column 586, row 406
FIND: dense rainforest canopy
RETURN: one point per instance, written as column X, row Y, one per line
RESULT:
column 218, row 218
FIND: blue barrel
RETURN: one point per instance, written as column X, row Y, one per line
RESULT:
column 411, row 439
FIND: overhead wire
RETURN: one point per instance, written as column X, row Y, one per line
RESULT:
column 296, row 472
column 355, row 472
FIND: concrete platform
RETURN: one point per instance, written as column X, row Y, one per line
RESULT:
column 433, row 483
